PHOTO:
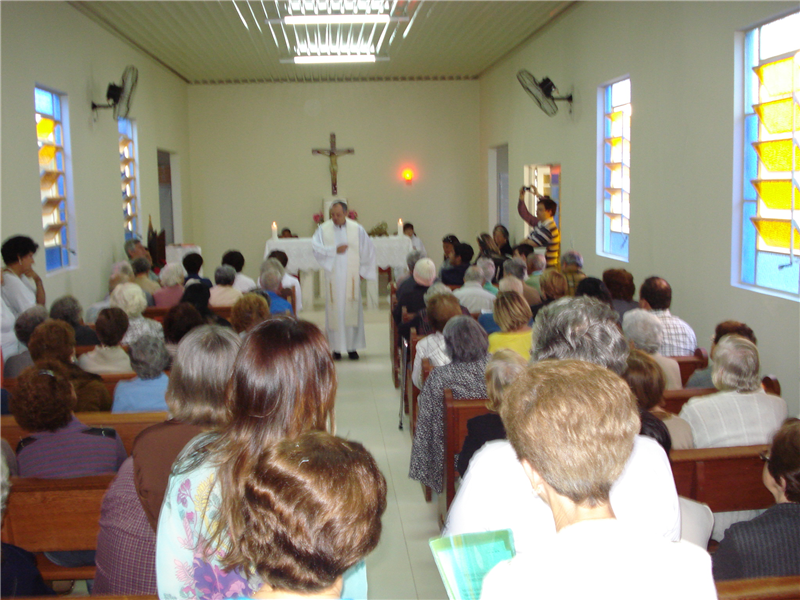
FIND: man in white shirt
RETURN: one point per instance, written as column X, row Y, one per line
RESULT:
column 242, row 282
column 471, row 295
column 679, row 338
column 22, row 287
column 496, row 494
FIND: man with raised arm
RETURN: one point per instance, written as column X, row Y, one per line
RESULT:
column 346, row 253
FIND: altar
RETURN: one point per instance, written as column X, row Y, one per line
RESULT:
column 390, row 252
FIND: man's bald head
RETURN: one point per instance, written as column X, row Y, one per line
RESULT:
column 656, row 292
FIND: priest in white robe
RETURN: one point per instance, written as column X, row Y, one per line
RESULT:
column 346, row 253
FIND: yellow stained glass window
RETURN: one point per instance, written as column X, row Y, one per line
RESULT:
column 47, row 154
column 776, row 193
column 44, row 129
column 777, row 155
column 777, row 76
column 776, row 232
column 777, row 115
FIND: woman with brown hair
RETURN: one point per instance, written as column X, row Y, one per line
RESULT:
column 55, row 340
column 312, row 506
column 513, row 315
column 647, row 382
column 283, row 384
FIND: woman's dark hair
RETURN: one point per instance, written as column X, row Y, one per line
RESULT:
column 619, row 283
column 53, row 339
column 594, row 288
column 645, row 378
column 111, row 326
column 311, row 509
column 503, row 229
column 17, row 247
column 193, row 263
column 654, row 428
column 235, row 259
column 283, row 384
column 280, row 256
column 784, row 458
column 523, row 249
column 43, row 399
column 181, row 319
column 198, row 296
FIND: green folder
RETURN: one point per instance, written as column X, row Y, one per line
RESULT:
column 464, row 560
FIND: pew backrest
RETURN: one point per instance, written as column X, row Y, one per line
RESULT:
column 763, row 588
column 689, row 364
column 157, row 313
column 675, row 399
column 456, row 415
column 726, row 479
column 127, row 425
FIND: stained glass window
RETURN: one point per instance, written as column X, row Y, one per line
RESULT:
column 616, row 160
column 127, row 167
column 52, row 177
column 770, row 211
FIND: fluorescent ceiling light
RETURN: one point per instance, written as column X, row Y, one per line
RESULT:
column 340, row 58
column 336, row 19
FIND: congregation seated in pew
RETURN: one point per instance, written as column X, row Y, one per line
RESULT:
column 68, row 309
column 130, row 298
column 740, row 414
column 223, row 293
column 769, row 545
column 26, row 322
column 169, row 294
column 646, row 332
column 109, row 357
column 411, row 293
column 440, row 307
column 701, row 378
column 195, row 396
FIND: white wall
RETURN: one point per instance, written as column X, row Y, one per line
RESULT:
column 52, row 44
column 251, row 159
column 680, row 57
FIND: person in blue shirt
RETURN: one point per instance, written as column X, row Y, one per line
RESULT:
column 270, row 282
column 145, row 392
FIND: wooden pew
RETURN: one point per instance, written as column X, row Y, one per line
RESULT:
column 764, row 588
column 45, row 515
column 287, row 293
column 157, row 313
column 394, row 335
column 675, row 399
column 127, row 425
column 456, row 415
column 110, row 380
column 726, row 479
column 689, row 364
column 412, row 391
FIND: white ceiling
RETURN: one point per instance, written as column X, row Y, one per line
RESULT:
column 208, row 42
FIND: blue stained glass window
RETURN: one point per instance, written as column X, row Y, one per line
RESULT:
column 43, row 101
column 613, row 150
column 768, row 262
column 52, row 258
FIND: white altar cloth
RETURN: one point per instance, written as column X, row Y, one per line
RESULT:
column 391, row 251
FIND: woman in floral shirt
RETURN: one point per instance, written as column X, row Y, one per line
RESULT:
column 283, row 384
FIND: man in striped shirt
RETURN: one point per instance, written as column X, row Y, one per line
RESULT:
column 545, row 231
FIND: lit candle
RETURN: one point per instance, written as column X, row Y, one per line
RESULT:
column 399, row 226
column 274, row 230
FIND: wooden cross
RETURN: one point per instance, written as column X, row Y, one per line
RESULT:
column 332, row 153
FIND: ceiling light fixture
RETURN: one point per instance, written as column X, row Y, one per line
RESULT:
column 382, row 19
column 329, row 59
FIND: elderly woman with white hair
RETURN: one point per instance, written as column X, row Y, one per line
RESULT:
column 172, row 277
column 740, row 414
column 223, row 293
column 466, row 344
column 645, row 331
column 130, row 298
column 411, row 294
column 488, row 268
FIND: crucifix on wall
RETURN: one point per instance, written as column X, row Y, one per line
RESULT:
column 333, row 152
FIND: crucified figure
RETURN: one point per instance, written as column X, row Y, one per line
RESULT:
column 333, row 153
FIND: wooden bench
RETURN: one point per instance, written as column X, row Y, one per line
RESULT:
column 127, row 425
column 456, row 415
column 157, row 313
column 764, row 588
column 726, row 479
column 689, row 364
column 49, row 515
column 675, row 399
column 288, row 293
column 110, row 380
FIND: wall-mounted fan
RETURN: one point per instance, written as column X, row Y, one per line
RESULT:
column 542, row 92
column 120, row 96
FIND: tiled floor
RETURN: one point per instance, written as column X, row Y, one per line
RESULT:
column 367, row 408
